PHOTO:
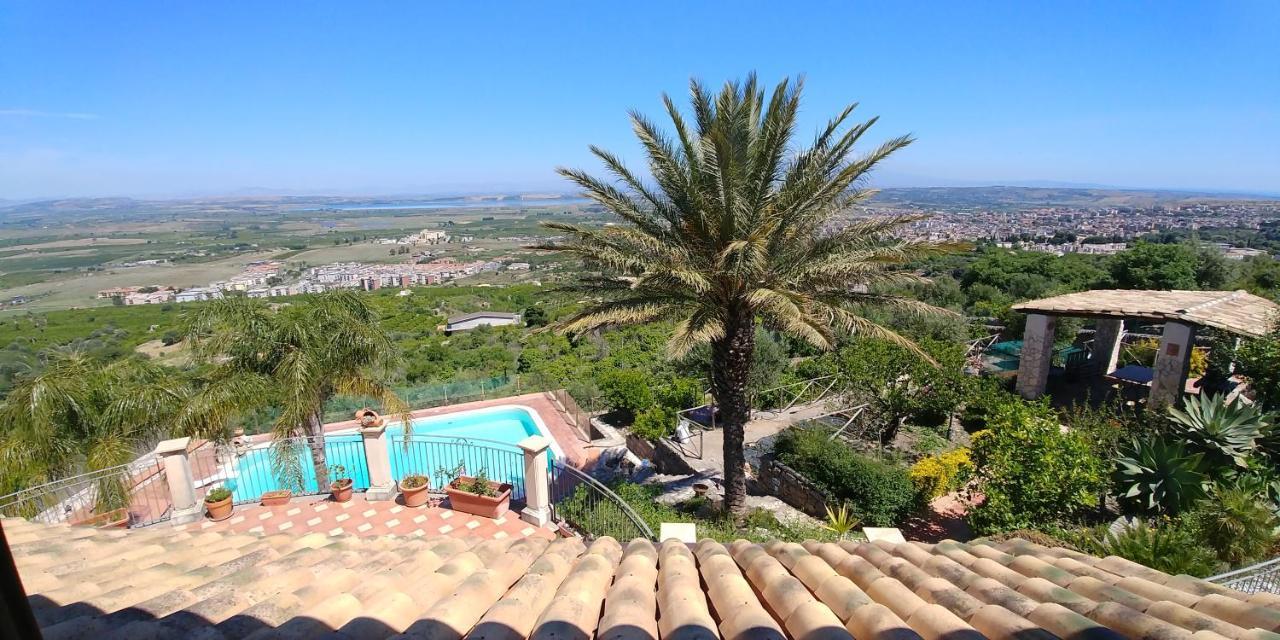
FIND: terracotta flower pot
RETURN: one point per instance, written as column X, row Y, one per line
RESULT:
column 414, row 496
column 369, row 418
column 276, row 498
column 478, row 505
column 341, row 490
column 220, row 510
column 116, row 518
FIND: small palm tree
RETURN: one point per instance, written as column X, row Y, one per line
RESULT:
column 739, row 225
column 302, row 355
column 80, row 414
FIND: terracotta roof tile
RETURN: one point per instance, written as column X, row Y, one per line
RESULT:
column 162, row 583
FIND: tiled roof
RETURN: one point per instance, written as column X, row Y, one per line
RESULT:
column 1237, row 311
column 158, row 583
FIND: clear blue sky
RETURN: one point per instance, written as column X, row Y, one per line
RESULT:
column 165, row 98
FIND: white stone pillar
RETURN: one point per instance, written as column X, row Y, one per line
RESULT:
column 377, row 460
column 537, row 481
column 1106, row 344
column 1037, row 355
column 177, row 473
column 1173, row 361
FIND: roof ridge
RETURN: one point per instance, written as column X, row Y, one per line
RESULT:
column 1232, row 295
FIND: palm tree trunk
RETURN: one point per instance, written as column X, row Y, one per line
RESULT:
column 730, row 370
column 315, row 442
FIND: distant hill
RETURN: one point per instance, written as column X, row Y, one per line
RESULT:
column 995, row 197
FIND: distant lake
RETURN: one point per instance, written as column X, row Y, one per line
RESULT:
column 463, row 203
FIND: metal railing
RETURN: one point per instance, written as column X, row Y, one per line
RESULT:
column 784, row 398
column 249, row 470
column 128, row 495
column 1261, row 577
column 586, row 505
column 437, row 457
column 690, row 441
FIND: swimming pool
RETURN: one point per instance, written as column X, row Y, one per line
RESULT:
column 482, row 439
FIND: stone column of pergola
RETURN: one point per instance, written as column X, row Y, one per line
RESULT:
column 1106, row 345
column 1037, row 355
column 1181, row 312
column 1173, row 361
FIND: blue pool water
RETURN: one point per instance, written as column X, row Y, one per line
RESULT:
column 481, row 440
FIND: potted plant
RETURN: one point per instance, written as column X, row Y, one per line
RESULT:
column 342, row 485
column 369, row 418
column 478, row 495
column 218, row 503
column 414, row 489
column 276, row 498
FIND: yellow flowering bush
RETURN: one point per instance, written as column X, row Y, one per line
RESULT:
column 939, row 474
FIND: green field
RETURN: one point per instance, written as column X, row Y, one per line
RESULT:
column 60, row 265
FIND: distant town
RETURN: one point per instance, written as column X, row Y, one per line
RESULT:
column 272, row 278
column 1096, row 230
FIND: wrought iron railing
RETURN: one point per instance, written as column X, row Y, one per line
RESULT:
column 587, row 505
column 250, row 469
column 437, row 457
column 1264, row 576
column 128, row 495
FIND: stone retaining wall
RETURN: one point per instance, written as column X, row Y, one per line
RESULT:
column 792, row 488
column 665, row 458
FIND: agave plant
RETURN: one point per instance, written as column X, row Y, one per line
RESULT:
column 1159, row 476
column 1226, row 432
column 841, row 521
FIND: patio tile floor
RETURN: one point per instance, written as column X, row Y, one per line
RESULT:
column 316, row 514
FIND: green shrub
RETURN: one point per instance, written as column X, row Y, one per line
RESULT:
column 985, row 397
column 1236, row 523
column 881, row 494
column 1167, row 547
column 1158, row 476
column 940, row 474
column 1031, row 472
column 682, row 393
column 626, row 390
column 654, row 423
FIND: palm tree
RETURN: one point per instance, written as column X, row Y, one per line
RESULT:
column 738, row 226
column 80, row 414
column 305, row 354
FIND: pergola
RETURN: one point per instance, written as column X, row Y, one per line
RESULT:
column 1182, row 312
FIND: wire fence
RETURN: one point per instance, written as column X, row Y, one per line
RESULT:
column 441, row 394
column 591, row 508
column 128, row 495
column 1261, row 577
column 441, row 458
column 577, row 418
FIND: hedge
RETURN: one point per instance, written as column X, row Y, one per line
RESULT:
column 880, row 493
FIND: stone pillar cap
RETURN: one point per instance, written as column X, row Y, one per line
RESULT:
column 534, row 444
column 170, row 447
column 373, row 431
